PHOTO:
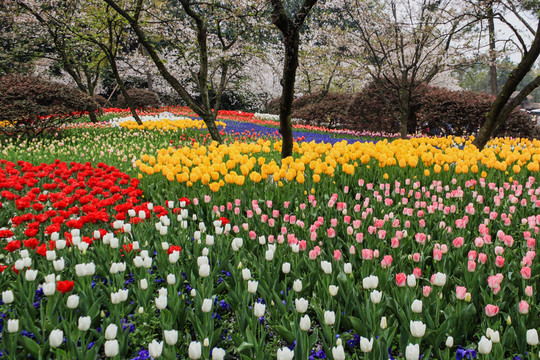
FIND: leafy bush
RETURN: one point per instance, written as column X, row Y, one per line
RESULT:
column 329, row 110
column 31, row 106
column 142, row 99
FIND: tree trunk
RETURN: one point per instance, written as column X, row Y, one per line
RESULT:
column 404, row 105
column 210, row 122
column 502, row 106
column 291, row 42
column 93, row 116
column 123, row 90
column 492, row 52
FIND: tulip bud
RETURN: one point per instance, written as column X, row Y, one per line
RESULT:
column 305, row 323
column 449, row 341
column 259, row 309
column 13, row 325
column 206, row 342
column 384, row 323
column 329, row 317
column 171, row 279
column 207, row 305
column 246, row 274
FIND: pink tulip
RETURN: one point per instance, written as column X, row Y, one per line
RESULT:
column 416, row 257
column 417, row 272
column 471, row 266
column 264, row 218
column 269, row 203
column 252, row 235
column 401, row 279
column 275, row 213
column 531, row 243
column 482, row 258
column 359, row 237
column 491, row 310
column 331, row 233
column 245, row 226
column 313, row 236
column 280, row 239
column 302, row 245
column 236, row 229
column 437, row 254
column 458, row 242
column 382, row 234
column 352, row 250
column 270, row 239
column 229, row 206
column 426, row 290
column 271, row 222
column 249, row 214
column 337, row 255
column 236, row 211
column 367, row 254
column 286, row 204
column 479, row 242
column 347, row 219
column 394, row 243
column 312, row 254
column 526, row 272
column 386, row 261
column 523, row 307
column 529, row 291
column 499, row 261
column 472, row 255
column 420, row 238
column 460, row 292
column 284, row 230
column 302, row 206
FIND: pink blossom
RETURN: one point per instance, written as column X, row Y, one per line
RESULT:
column 337, row 255
column 359, row 237
column 229, row 206
column 401, row 279
column 479, row 242
column 269, row 203
column 331, row 233
column 280, row 239
column 426, row 290
column 302, row 245
column 491, row 310
column 302, row 206
column 284, row 230
column 252, row 235
column 352, row 250
column 529, row 291
column 416, row 257
column 437, row 254
column 367, row 254
column 525, row 272
column 376, row 253
column 245, row 226
column 333, row 222
column 292, row 219
column 236, row 229
column 196, row 201
column 313, row 254
column 264, row 218
column 523, row 307
column 313, row 236
column 394, row 243
column 471, row 266
column 531, row 243
column 386, row 261
column 236, row 211
column 458, row 242
column 420, row 238
column 270, row 239
column 249, row 214
column 347, row 219
column 460, row 292
column 508, row 240
column 382, row 234
column 417, row 272
column 499, row 261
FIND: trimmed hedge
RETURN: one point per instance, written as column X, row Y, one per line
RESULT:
column 31, row 106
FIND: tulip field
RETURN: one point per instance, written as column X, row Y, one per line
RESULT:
column 136, row 242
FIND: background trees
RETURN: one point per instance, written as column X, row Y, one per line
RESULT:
column 230, row 54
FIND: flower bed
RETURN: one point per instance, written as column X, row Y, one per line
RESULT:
column 388, row 250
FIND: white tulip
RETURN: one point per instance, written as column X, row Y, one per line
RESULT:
column 155, row 348
column 416, row 306
column 365, row 344
column 56, row 338
column 338, row 352
column 532, row 337
column 252, row 286
column 171, row 337
column 370, row 282
column 171, row 279
column 484, row 345
column 259, row 309
column 449, row 341
column 111, row 331
column 84, row 323
column 49, row 288
column 297, row 285
column 207, row 305
column 411, row 280
column 305, row 323
column 286, row 267
column 73, row 301
column 195, row 350
column 384, row 323
column 246, row 274
column 418, row 328
column 301, row 305
column 161, row 302
column 375, row 296
column 412, row 352
column 111, row 348
column 285, row 354
column 30, row 275
column 13, row 325
column 204, row 270
column 8, row 297
column 329, row 317
column 347, row 268
column 333, row 289
column 326, row 267
column 218, row 353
